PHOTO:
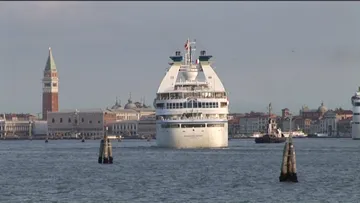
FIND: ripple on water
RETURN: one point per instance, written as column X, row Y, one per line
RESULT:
column 67, row 171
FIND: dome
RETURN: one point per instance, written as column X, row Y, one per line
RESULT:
column 117, row 105
column 130, row 105
column 322, row 108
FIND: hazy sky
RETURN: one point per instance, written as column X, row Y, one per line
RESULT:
column 287, row 53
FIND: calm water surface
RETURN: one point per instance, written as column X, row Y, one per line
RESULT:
column 67, row 171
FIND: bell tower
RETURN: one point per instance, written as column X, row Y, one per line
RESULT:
column 50, row 102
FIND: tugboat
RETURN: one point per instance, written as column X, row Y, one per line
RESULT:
column 273, row 134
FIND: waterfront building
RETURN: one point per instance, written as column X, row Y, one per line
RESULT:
column 134, row 119
column 18, row 126
column 73, row 123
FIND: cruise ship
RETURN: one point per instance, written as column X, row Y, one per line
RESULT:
column 355, row 124
column 191, row 103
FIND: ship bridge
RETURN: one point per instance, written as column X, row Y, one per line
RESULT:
column 185, row 73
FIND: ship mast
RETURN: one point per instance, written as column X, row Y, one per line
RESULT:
column 189, row 51
column 270, row 123
column 270, row 108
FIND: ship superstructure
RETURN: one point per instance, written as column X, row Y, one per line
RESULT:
column 191, row 112
column 355, row 124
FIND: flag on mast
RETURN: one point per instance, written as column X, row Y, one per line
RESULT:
column 187, row 45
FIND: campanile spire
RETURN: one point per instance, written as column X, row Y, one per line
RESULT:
column 50, row 87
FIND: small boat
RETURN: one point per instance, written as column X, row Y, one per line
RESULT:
column 273, row 134
column 270, row 139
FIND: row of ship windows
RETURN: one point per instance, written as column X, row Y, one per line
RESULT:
column 357, row 103
column 69, row 120
column 356, row 122
column 183, row 95
column 203, row 125
column 356, row 114
column 191, row 104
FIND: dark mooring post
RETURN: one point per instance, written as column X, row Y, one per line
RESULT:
column 105, row 152
column 288, row 166
column 83, row 138
column 30, row 130
column 110, row 152
column 47, row 138
column 101, row 151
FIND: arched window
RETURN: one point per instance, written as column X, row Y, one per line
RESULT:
column 53, row 120
column 189, row 104
column 69, row 120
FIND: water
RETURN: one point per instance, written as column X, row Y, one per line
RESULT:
column 67, row 171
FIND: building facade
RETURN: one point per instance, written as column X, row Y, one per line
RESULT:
column 21, row 126
column 134, row 119
column 50, row 98
column 249, row 123
column 72, row 123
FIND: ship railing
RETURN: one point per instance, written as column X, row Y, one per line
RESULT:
column 193, row 118
column 195, row 89
column 187, row 82
column 198, row 97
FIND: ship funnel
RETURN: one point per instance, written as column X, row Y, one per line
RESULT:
column 190, row 74
column 177, row 53
column 203, row 53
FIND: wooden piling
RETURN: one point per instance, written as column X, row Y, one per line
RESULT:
column 284, row 161
column 105, row 152
column 101, row 152
column 288, row 166
column 110, row 152
column 30, row 130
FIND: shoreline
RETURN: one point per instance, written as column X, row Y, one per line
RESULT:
column 50, row 138
column 241, row 138
column 136, row 138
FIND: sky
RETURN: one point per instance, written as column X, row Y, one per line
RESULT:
column 287, row 53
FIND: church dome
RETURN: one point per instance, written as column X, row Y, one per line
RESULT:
column 322, row 108
column 130, row 105
column 117, row 105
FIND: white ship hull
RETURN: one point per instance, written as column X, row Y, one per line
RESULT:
column 355, row 124
column 214, row 137
column 191, row 109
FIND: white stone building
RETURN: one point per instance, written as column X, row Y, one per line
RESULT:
column 134, row 119
column 21, row 128
column 250, row 123
column 81, row 122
